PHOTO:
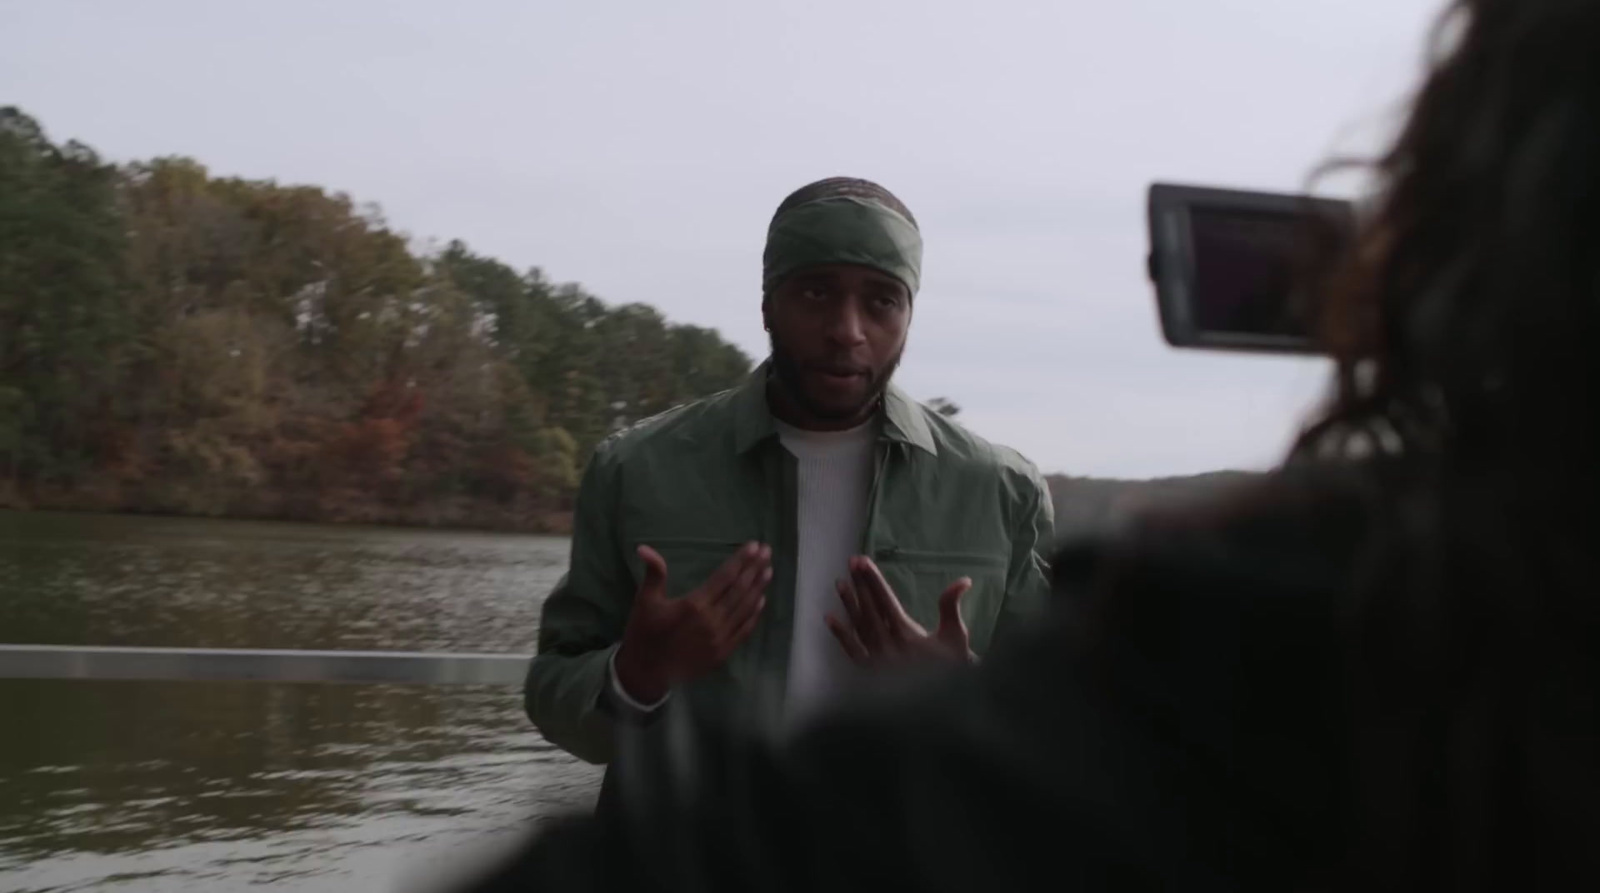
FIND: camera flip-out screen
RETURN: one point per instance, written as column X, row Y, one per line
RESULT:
column 1237, row 270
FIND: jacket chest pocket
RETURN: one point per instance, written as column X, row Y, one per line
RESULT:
column 690, row 560
column 919, row 577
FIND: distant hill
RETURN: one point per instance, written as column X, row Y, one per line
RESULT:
column 1084, row 504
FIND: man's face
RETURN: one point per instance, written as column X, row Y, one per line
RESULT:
column 837, row 335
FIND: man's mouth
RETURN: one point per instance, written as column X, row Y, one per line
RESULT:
column 841, row 374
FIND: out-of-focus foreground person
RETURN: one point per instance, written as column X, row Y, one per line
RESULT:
column 1376, row 670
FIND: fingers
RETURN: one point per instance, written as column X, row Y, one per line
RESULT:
column 747, row 626
column 864, row 619
column 737, row 612
column 870, row 582
column 952, row 629
column 879, row 600
column 848, row 639
column 655, row 574
column 738, row 623
column 752, row 572
column 725, row 575
column 735, row 609
column 950, row 602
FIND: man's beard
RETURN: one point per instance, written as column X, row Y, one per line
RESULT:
column 787, row 372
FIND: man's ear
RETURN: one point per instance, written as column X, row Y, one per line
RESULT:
column 766, row 312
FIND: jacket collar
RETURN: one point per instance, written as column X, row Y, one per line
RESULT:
column 903, row 420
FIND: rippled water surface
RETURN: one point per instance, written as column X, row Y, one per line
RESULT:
column 135, row 786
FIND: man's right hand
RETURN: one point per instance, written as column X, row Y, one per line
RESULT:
column 673, row 640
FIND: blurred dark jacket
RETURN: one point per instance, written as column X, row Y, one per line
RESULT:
column 1176, row 724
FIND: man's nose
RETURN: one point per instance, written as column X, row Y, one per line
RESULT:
column 847, row 326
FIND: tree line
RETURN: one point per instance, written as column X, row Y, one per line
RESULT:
column 177, row 342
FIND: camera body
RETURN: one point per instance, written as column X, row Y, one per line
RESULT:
column 1240, row 270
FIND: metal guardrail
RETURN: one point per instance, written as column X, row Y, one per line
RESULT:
column 260, row 665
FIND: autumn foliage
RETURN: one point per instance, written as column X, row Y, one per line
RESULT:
column 176, row 342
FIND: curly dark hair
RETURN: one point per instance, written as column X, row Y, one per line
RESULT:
column 1466, row 334
column 835, row 187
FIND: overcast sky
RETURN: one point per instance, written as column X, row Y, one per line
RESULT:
column 640, row 147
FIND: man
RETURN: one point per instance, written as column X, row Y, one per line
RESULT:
column 751, row 552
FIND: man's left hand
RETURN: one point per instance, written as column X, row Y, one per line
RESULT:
column 876, row 627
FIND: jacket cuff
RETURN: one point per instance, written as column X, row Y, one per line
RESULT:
column 620, row 696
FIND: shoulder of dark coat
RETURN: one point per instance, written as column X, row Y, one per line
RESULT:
column 1292, row 529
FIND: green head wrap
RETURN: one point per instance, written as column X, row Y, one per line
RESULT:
column 842, row 230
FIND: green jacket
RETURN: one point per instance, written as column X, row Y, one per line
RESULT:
column 698, row 481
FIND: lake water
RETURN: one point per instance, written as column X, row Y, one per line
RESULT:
column 158, row 786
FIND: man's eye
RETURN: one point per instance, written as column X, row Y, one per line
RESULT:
column 812, row 294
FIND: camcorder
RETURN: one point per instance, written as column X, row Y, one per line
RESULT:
column 1240, row 270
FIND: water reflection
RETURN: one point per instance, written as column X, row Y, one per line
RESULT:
column 171, row 786
column 119, row 580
